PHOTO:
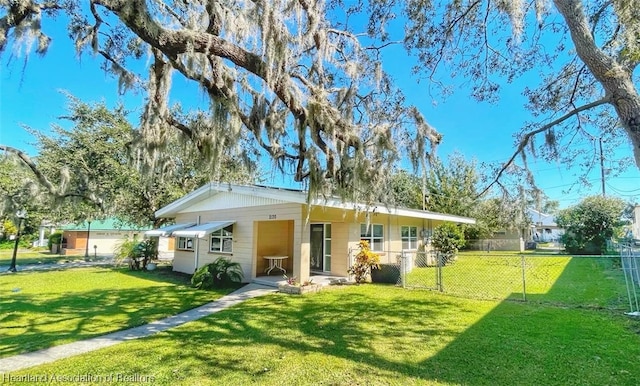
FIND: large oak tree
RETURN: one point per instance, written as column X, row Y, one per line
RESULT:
column 298, row 79
column 585, row 54
column 290, row 78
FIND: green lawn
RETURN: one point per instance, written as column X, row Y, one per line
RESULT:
column 379, row 335
column 25, row 257
column 584, row 281
column 572, row 331
column 43, row 309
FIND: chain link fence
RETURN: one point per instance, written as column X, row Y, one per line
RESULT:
column 586, row 281
column 629, row 256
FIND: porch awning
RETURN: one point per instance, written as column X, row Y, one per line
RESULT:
column 202, row 230
column 168, row 230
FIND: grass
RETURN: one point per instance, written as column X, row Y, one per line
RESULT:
column 44, row 309
column 25, row 257
column 584, row 281
column 570, row 332
column 379, row 335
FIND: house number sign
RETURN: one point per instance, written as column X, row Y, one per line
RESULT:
column 272, row 217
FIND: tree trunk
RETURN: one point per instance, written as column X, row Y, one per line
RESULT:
column 613, row 76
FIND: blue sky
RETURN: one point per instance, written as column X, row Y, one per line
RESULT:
column 31, row 95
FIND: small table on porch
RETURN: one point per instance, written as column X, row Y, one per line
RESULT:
column 275, row 262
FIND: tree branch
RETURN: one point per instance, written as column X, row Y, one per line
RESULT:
column 44, row 181
column 527, row 137
column 18, row 12
column 172, row 43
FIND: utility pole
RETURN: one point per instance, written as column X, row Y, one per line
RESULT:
column 601, row 165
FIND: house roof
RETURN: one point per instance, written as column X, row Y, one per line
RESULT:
column 541, row 219
column 295, row 196
column 103, row 225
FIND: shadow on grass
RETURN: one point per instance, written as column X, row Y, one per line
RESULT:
column 585, row 283
column 464, row 342
column 166, row 274
column 575, row 333
column 35, row 321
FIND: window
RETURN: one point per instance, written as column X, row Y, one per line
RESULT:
column 327, row 247
column 409, row 237
column 185, row 243
column 222, row 240
column 374, row 235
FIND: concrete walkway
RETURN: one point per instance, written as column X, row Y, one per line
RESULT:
column 52, row 354
column 4, row 269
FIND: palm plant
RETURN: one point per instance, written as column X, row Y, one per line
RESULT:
column 138, row 253
column 221, row 273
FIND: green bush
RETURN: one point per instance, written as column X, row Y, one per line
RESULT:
column 7, row 244
column 138, row 253
column 23, row 243
column 54, row 238
column 448, row 238
column 219, row 274
column 590, row 224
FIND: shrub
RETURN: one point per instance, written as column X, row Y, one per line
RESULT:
column 219, row 274
column 139, row 253
column 590, row 224
column 54, row 238
column 447, row 239
column 8, row 229
column 365, row 260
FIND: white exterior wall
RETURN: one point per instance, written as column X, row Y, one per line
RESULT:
column 244, row 243
column 635, row 227
column 107, row 241
column 248, row 209
column 392, row 234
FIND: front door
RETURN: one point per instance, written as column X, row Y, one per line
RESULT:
column 317, row 247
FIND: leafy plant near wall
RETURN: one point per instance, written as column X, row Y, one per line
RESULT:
column 54, row 238
column 365, row 261
column 219, row 274
column 139, row 253
column 448, row 238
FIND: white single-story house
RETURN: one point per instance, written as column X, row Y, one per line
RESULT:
column 263, row 227
column 635, row 222
column 544, row 227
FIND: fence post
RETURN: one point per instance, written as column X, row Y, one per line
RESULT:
column 403, row 269
column 524, row 279
column 439, row 272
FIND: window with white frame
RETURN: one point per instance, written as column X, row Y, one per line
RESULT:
column 409, row 236
column 185, row 243
column 222, row 240
column 374, row 234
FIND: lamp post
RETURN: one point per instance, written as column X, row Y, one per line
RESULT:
column 21, row 214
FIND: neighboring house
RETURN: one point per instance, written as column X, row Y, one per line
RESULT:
column 258, row 225
column 635, row 225
column 503, row 240
column 45, row 228
column 543, row 227
column 102, row 237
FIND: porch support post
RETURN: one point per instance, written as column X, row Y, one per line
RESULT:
column 301, row 251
